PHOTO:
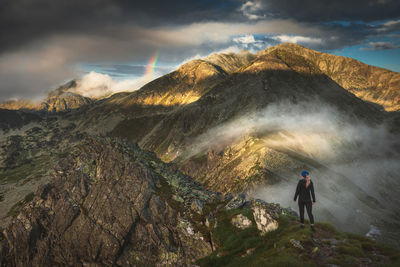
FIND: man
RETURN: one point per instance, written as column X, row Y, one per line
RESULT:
column 304, row 187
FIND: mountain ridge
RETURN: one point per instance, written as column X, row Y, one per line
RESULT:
column 223, row 127
column 370, row 83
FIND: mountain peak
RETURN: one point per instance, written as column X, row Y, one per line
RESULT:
column 370, row 83
column 58, row 99
column 231, row 62
column 293, row 47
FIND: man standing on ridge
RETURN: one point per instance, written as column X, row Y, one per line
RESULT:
column 304, row 187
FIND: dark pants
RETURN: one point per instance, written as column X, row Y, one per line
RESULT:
column 308, row 205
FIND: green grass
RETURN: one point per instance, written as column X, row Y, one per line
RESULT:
column 35, row 167
column 233, row 243
column 275, row 249
column 343, row 260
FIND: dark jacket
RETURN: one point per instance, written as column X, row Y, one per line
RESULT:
column 303, row 192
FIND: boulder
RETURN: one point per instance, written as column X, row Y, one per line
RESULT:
column 265, row 216
column 236, row 202
column 241, row 221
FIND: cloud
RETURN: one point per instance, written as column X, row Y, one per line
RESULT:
column 46, row 63
column 317, row 131
column 325, row 10
column 221, row 33
column 354, row 166
column 380, row 46
column 388, row 26
column 97, row 85
column 45, row 18
column 249, row 42
column 297, row 39
column 247, row 39
column 251, row 10
column 122, row 32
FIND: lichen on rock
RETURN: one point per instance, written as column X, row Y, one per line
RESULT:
column 241, row 221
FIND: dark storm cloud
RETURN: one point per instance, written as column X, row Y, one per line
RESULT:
column 328, row 10
column 22, row 20
column 381, row 46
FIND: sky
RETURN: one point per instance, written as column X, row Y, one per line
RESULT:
column 45, row 43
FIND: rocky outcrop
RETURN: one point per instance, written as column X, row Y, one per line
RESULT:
column 241, row 221
column 265, row 216
column 64, row 102
column 60, row 99
column 108, row 203
column 231, row 62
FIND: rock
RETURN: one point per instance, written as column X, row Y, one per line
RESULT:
column 236, row 202
column 177, row 198
column 264, row 217
column 296, row 244
column 292, row 212
column 217, row 197
column 122, row 219
column 197, row 206
column 249, row 251
column 228, row 196
column 210, row 218
column 241, row 221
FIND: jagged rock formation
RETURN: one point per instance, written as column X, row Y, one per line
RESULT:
column 231, row 62
column 108, row 203
column 62, row 100
column 26, row 156
column 111, row 203
column 57, row 100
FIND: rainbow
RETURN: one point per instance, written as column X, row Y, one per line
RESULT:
column 151, row 65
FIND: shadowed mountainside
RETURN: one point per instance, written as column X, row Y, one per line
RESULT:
column 370, row 83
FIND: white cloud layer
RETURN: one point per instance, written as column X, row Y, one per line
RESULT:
column 297, row 39
column 98, row 85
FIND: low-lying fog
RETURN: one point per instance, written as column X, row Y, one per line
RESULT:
column 354, row 166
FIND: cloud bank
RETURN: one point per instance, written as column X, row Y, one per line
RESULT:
column 98, row 85
column 355, row 167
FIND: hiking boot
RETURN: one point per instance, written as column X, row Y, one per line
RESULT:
column 312, row 228
column 302, row 225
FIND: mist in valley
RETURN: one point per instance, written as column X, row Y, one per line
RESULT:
column 354, row 164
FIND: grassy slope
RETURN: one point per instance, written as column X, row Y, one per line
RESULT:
column 325, row 246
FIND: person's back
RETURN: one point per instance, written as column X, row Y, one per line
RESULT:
column 305, row 190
